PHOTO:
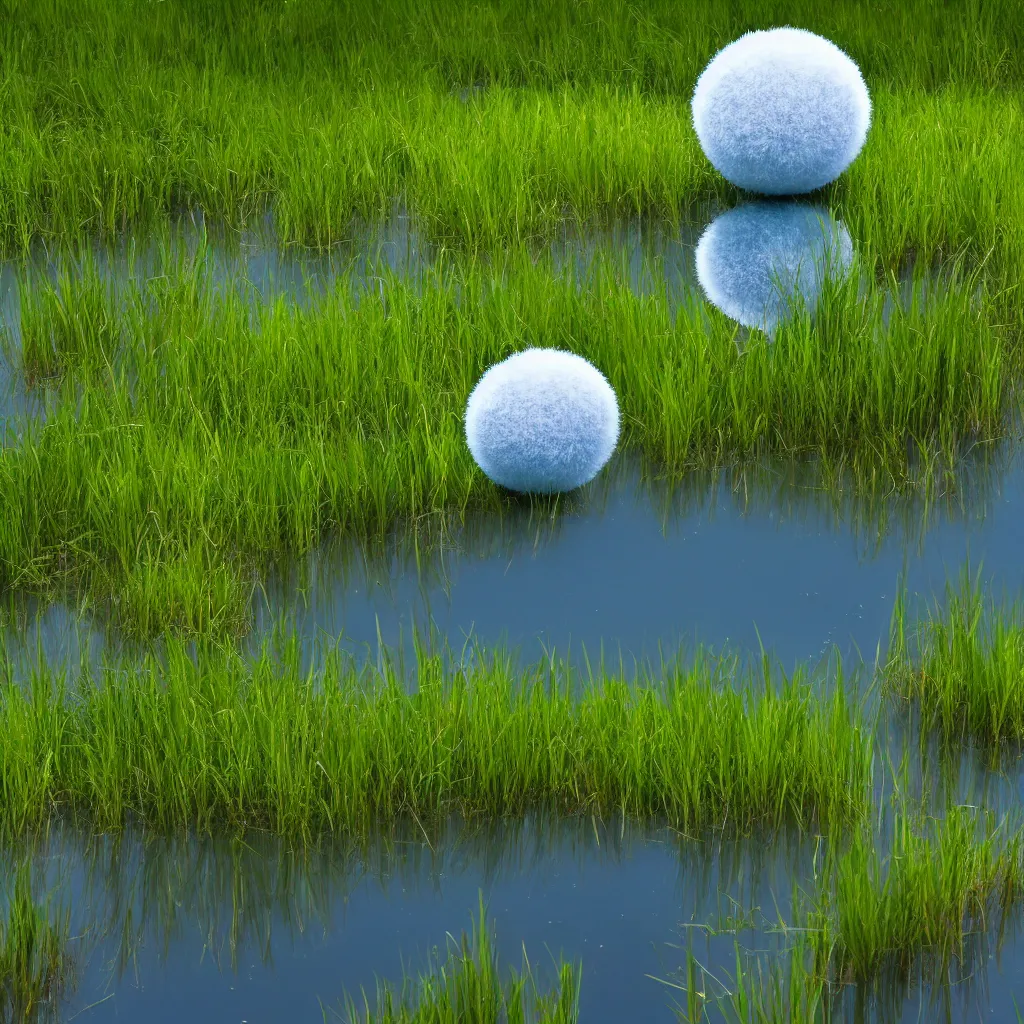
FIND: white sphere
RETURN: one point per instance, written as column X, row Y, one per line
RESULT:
column 758, row 262
column 781, row 112
column 542, row 421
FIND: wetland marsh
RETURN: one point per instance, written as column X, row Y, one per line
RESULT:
column 303, row 718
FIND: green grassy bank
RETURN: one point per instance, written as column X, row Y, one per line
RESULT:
column 213, row 740
column 193, row 435
column 124, row 112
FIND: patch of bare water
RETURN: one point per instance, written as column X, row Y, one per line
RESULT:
column 746, row 558
column 251, row 929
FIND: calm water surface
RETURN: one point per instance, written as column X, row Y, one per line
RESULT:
column 749, row 558
column 744, row 559
column 249, row 932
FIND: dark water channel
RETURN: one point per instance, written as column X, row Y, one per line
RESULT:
column 306, row 928
column 253, row 932
column 214, row 931
column 742, row 558
column 219, row 930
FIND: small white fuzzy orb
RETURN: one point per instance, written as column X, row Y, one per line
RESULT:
column 781, row 112
column 542, row 421
column 759, row 262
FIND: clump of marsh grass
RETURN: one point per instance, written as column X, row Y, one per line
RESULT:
column 939, row 883
column 876, row 922
column 962, row 667
column 790, row 989
column 469, row 986
column 218, row 741
column 71, row 322
column 183, row 594
column 35, row 964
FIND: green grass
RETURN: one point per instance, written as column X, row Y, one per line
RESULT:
column 889, row 910
column 469, row 987
column 326, row 112
column 176, row 745
column 193, row 436
column 938, row 884
column 540, row 42
column 962, row 667
column 35, row 964
column 787, row 989
column 505, row 169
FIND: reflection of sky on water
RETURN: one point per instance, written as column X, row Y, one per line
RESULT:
column 251, row 256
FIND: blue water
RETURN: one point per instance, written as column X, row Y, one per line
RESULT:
column 616, row 913
column 741, row 559
column 749, row 558
column 305, row 931
column 629, row 570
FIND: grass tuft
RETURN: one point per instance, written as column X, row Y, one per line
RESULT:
column 35, row 966
column 877, row 924
column 468, row 986
column 963, row 667
column 936, row 887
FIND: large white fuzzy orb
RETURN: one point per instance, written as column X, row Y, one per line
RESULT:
column 758, row 262
column 781, row 112
column 542, row 421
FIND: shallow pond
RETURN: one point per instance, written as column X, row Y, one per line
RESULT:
column 248, row 932
column 742, row 559
column 749, row 557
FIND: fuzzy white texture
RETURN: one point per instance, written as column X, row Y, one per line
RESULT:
column 781, row 112
column 542, row 421
column 758, row 262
